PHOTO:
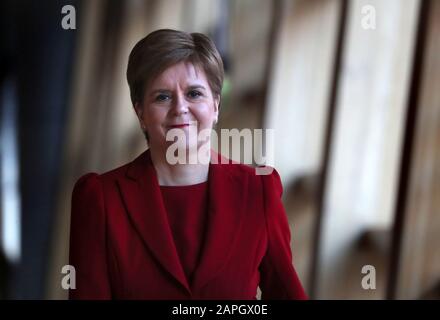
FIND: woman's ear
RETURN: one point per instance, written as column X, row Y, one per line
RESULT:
column 216, row 107
column 138, row 109
column 217, row 103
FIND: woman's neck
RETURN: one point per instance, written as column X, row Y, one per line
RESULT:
column 178, row 174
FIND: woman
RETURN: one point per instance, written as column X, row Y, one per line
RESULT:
column 202, row 230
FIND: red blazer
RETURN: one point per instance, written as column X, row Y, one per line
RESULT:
column 122, row 247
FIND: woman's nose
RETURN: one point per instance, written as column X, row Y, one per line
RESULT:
column 180, row 105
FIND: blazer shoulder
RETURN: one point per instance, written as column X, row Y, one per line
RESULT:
column 86, row 182
column 272, row 181
column 268, row 175
column 87, row 189
column 115, row 173
column 103, row 177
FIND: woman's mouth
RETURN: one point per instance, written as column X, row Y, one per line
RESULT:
column 183, row 125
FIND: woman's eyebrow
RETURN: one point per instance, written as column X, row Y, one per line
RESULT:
column 196, row 86
column 155, row 91
column 191, row 87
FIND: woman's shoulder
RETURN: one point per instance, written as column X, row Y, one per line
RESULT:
column 92, row 184
column 109, row 175
column 93, row 178
column 265, row 176
column 272, row 180
column 86, row 181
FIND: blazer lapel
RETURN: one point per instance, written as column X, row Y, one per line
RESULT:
column 141, row 193
column 227, row 198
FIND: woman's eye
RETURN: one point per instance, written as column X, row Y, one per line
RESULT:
column 162, row 97
column 194, row 94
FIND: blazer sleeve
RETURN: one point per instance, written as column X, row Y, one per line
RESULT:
column 278, row 278
column 88, row 240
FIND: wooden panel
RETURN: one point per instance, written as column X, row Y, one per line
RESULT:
column 250, row 27
column 300, row 85
column 365, row 154
column 297, row 109
column 419, row 265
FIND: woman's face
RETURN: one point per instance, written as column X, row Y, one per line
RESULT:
column 178, row 98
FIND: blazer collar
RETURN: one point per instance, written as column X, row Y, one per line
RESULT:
column 227, row 197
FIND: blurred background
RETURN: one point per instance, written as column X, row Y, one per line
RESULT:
column 351, row 88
